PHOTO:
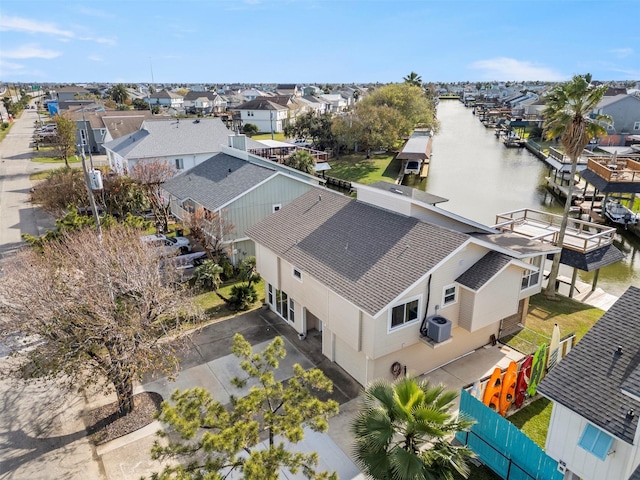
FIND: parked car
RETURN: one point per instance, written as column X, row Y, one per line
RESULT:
column 181, row 244
column 301, row 142
column 185, row 262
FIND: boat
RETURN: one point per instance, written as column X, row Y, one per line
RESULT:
column 523, row 381
column 492, row 390
column 508, row 391
column 618, row 213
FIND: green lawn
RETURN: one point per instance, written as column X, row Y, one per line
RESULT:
column 267, row 136
column 71, row 159
column 356, row 168
column 571, row 317
column 216, row 309
column 533, row 420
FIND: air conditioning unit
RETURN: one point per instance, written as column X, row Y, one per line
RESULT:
column 438, row 328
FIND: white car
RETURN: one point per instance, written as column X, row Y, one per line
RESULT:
column 176, row 243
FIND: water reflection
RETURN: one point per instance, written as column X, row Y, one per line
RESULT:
column 481, row 178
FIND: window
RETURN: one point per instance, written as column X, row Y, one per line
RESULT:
column 179, row 164
column 530, row 278
column 636, row 126
column 276, row 207
column 270, row 294
column 297, row 274
column 405, row 313
column 449, row 295
column 292, row 311
column 595, row 441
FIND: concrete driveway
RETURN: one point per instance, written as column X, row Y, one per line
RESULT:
column 208, row 363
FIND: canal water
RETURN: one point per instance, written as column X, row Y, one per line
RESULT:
column 481, row 178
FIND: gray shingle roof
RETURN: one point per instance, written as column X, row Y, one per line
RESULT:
column 593, row 260
column 365, row 254
column 160, row 138
column 483, row 270
column 260, row 104
column 217, row 181
column 590, row 379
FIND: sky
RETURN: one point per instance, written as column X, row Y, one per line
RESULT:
column 317, row 41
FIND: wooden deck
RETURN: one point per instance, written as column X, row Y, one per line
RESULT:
column 613, row 169
column 581, row 236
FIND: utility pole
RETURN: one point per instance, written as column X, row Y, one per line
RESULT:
column 92, row 199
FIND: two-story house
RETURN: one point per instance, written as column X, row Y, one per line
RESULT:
column 204, row 102
column 167, row 99
column 391, row 278
column 267, row 115
column 624, row 111
column 595, row 390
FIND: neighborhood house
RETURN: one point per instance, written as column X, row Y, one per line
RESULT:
column 392, row 282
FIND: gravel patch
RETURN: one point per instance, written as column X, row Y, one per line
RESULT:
column 103, row 424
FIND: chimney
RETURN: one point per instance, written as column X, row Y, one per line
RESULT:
column 238, row 141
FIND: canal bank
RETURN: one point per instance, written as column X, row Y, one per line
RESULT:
column 481, row 178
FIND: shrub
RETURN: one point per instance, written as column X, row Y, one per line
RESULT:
column 243, row 297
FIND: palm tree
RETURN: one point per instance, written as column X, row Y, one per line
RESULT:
column 301, row 160
column 413, row 79
column 119, row 93
column 566, row 115
column 401, row 432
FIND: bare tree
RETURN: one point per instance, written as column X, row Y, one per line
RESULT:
column 211, row 230
column 151, row 175
column 102, row 309
column 63, row 187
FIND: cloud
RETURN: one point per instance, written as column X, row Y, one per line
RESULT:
column 10, row 66
column 511, row 69
column 30, row 51
column 102, row 40
column 95, row 58
column 622, row 52
column 16, row 24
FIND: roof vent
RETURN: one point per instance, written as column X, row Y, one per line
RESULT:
column 619, row 350
column 229, row 170
column 630, row 414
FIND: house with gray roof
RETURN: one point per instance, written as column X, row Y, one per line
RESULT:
column 204, row 102
column 165, row 98
column 267, row 115
column 241, row 188
column 183, row 143
column 595, row 392
column 369, row 276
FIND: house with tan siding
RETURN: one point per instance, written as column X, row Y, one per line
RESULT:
column 391, row 279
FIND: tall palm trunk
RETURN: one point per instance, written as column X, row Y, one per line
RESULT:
column 550, row 290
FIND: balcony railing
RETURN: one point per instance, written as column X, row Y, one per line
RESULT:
column 581, row 236
column 615, row 169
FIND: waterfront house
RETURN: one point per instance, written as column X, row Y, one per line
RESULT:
column 241, row 188
column 595, row 390
column 390, row 281
column 624, row 111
